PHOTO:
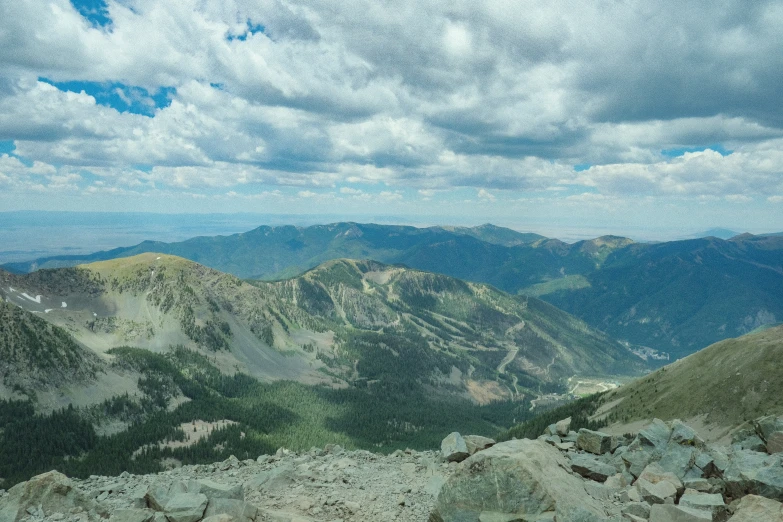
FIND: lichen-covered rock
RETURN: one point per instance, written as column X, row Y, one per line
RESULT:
column 52, row 492
column 594, row 442
column 775, row 442
column 132, row 515
column 750, row 472
column 239, row 510
column 753, row 508
column 563, row 426
column 186, row 507
column 711, row 503
column 590, row 467
column 672, row 513
column 655, row 437
column 518, row 478
column 476, row 443
column 213, row 489
column 766, row 426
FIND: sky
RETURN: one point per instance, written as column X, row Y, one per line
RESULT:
column 620, row 114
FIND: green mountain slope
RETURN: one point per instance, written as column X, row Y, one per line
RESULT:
column 724, row 385
column 35, row 353
column 684, row 295
column 343, row 323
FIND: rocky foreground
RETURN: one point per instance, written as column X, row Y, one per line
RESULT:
column 666, row 473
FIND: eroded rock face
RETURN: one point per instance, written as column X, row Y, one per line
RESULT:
column 520, row 478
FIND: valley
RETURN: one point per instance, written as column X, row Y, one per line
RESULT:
column 351, row 352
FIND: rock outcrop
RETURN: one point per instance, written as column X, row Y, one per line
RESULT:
column 519, row 478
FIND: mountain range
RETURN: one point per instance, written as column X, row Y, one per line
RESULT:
column 120, row 357
column 345, row 322
column 674, row 297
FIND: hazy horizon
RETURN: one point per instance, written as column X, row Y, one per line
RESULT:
column 26, row 235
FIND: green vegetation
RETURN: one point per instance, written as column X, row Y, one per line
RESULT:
column 267, row 416
column 730, row 382
column 579, row 411
column 567, row 283
column 34, row 352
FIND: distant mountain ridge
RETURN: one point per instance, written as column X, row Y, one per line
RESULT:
column 283, row 251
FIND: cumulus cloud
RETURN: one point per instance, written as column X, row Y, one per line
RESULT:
column 429, row 96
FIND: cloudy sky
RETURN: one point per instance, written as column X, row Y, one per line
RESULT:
column 620, row 113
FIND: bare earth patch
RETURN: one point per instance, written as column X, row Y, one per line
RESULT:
column 194, row 432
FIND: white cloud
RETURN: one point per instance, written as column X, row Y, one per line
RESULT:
column 429, row 96
column 485, row 195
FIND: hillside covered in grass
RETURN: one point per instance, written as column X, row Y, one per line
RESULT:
column 726, row 384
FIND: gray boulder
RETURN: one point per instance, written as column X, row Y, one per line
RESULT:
column 755, row 473
column 766, row 426
column 672, row 513
column 453, row 448
column 683, row 434
column 590, row 467
column 654, row 437
column 239, row 510
column 753, row 508
column 775, row 442
column 132, row 515
column 752, row 443
column 186, row 507
column 636, row 458
column 160, row 493
column 515, row 480
column 476, row 443
column 52, row 492
column 562, row 427
column 679, row 460
column 706, row 502
column 214, row 490
column 638, row 509
column 594, row 442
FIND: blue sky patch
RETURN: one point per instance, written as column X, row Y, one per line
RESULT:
column 7, row 146
column 95, row 11
column 123, row 98
column 252, row 28
column 582, row 167
column 676, row 153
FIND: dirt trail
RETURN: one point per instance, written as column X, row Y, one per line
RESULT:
column 510, row 356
